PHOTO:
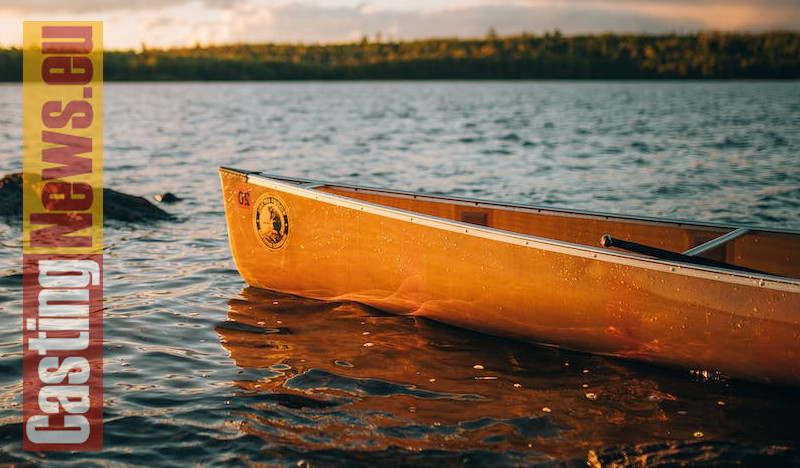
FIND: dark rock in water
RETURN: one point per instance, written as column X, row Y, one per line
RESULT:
column 116, row 205
column 168, row 197
column 123, row 207
column 11, row 195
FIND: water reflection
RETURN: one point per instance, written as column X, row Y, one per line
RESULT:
column 342, row 376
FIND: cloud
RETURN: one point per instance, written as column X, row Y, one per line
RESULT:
column 309, row 22
column 165, row 23
column 154, row 23
column 727, row 15
column 84, row 6
column 305, row 22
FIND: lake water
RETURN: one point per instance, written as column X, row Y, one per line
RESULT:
column 202, row 371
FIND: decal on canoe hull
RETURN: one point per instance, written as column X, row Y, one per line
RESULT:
column 271, row 221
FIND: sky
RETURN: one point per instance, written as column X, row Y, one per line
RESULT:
column 132, row 24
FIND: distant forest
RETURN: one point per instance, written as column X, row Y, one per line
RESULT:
column 710, row 55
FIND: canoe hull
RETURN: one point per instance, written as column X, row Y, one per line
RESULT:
column 286, row 237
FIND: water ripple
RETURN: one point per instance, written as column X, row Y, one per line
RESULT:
column 200, row 371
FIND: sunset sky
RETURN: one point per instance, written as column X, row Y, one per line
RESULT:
column 163, row 23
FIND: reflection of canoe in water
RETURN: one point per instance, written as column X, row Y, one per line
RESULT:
column 728, row 303
column 329, row 377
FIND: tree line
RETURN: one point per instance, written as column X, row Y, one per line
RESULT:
column 708, row 55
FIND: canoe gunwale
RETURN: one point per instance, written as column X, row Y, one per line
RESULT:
column 466, row 201
column 306, row 188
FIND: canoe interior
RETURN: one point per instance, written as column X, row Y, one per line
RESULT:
column 773, row 252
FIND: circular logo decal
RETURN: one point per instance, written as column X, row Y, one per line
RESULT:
column 271, row 222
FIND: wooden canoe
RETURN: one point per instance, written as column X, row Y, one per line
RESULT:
column 530, row 273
